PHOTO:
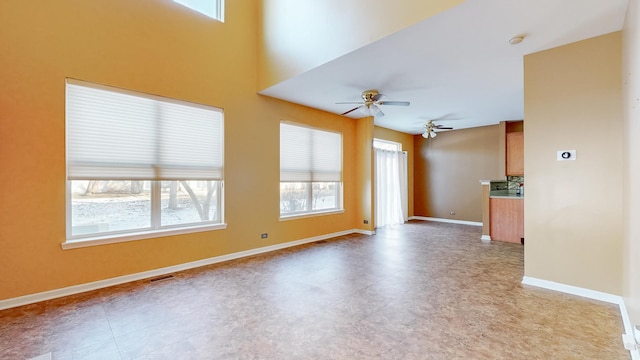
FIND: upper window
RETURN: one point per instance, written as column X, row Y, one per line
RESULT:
column 386, row 145
column 212, row 8
column 139, row 163
column 310, row 170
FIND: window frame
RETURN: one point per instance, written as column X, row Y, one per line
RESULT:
column 338, row 184
column 218, row 9
column 155, row 229
column 388, row 143
column 118, row 236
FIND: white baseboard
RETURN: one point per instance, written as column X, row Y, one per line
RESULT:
column 573, row 290
column 595, row 295
column 485, row 238
column 76, row 289
column 451, row 221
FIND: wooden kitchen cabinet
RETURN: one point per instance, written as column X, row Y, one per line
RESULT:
column 506, row 219
column 515, row 153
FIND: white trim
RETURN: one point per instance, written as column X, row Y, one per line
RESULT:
column 118, row 238
column 311, row 214
column 363, row 232
column 46, row 356
column 628, row 328
column 76, row 289
column 590, row 294
column 461, row 222
column 573, row 290
column 485, row 238
column 389, row 142
column 629, row 331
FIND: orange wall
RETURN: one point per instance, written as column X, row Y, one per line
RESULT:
column 364, row 159
column 158, row 47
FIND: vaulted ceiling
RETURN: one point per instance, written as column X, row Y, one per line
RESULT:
column 456, row 67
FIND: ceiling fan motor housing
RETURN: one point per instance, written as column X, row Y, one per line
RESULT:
column 370, row 102
column 369, row 96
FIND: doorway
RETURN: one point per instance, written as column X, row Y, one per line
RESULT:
column 390, row 181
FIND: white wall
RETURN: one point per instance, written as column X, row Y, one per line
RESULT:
column 631, row 99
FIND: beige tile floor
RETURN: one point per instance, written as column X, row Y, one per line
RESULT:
column 423, row 290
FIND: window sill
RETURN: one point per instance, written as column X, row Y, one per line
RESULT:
column 313, row 214
column 112, row 239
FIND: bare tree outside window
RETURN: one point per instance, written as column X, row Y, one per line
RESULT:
column 204, row 206
column 300, row 197
column 115, row 205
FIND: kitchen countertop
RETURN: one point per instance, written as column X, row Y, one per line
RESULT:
column 505, row 194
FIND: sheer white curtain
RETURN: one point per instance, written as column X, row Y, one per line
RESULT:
column 390, row 187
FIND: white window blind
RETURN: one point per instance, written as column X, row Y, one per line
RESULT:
column 114, row 134
column 309, row 155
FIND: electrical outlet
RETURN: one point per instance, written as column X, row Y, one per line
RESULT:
column 366, row 221
column 452, row 212
column 264, row 235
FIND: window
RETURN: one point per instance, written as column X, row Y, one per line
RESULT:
column 212, row 8
column 387, row 145
column 139, row 163
column 310, row 170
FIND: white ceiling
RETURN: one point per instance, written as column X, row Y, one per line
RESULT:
column 456, row 65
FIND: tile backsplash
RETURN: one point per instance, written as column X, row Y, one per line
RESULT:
column 499, row 185
column 512, row 183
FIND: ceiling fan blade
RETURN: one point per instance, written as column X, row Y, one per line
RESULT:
column 398, row 103
column 354, row 109
column 375, row 110
column 440, row 127
column 350, row 102
column 446, row 117
column 377, row 97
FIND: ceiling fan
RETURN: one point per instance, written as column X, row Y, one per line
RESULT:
column 430, row 129
column 370, row 102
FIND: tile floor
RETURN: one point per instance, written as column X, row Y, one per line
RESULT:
column 423, row 290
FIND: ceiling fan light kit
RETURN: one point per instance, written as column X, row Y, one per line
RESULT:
column 429, row 134
column 370, row 110
column 430, row 129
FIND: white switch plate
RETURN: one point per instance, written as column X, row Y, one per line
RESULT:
column 566, row 155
